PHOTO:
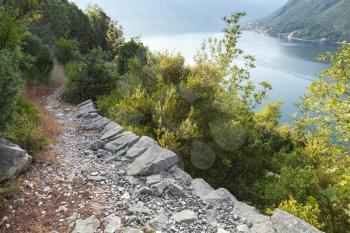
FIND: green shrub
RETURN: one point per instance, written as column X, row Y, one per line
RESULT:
column 24, row 129
column 67, row 50
column 42, row 61
column 88, row 79
column 10, row 86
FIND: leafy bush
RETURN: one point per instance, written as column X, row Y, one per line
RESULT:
column 24, row 129
column 88, row 79
column 10, row 86
column 37, row 72
column 67, row 51
column 129, row 50
column 310, row 212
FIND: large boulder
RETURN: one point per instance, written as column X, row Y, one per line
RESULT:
column 154, row 160
column 123, row 140
column 13, row 160
column 140, row 147
column 285, row 222
column 260, row 223
column 201, row 187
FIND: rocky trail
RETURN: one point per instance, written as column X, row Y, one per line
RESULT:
column 106, row 179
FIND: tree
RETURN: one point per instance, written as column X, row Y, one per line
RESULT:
column 41, row 63
column 106, row 33
column 67, row 51
column 88, row 79
column 14, row 15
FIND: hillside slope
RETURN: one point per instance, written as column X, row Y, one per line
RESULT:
column 312, row 19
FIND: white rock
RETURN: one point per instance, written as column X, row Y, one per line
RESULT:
column 160, row 221
column 153, row 180
column 88, row 225
column 243, row 228
column 130, row 230
column 219, row 196
column 185, row 216
column 201, row 187
column 261, row 223
column 285, row 222
column 220, row 230
column 114, row 223
column 126, row 196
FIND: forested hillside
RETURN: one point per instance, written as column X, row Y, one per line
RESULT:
column 205, row 112
column 312, row 19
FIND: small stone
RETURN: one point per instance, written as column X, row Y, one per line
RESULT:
column 220, row 230
column 243, row 228
column 126, row 196
column 94, row 173
column 151, row 180
column 145, row 191
column 177, row 190
column 62, row 209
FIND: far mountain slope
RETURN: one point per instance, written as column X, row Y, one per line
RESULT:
column 312, row 19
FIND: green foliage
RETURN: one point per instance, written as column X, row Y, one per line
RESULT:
column 312, row 20
column 310, row 212
column 24, row 130
column 14, row 15
column 106, row 33
column 10, row 85
column 88, row 79
column 190, row 110
column 41, row 62
column 127, row 51
column 67, row 51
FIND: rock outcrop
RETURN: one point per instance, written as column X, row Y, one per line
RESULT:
column 13, row 160
column 149, row 191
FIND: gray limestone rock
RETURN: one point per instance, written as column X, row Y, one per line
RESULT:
column 140, row 147
column 159, row 188
column 96, row 145
column 160, row 221
column 261, row 223
column 88, row 225
column 130, row 230
column 154, row 160
column 114, row 223
column 123, row 140
column 112, row 133
column 212, row 215
column 13, row 160
column 285, row 222
column 201, row 187
column 185, row 216
column 177, row 190
column 151, row 180
column 180, row 175
column 219, row 196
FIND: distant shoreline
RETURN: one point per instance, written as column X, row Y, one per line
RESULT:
column 291, row 37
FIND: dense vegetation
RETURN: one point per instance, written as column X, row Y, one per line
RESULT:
column 315, row 19
column 205, row 112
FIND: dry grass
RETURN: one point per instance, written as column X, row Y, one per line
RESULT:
column 37, row 95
